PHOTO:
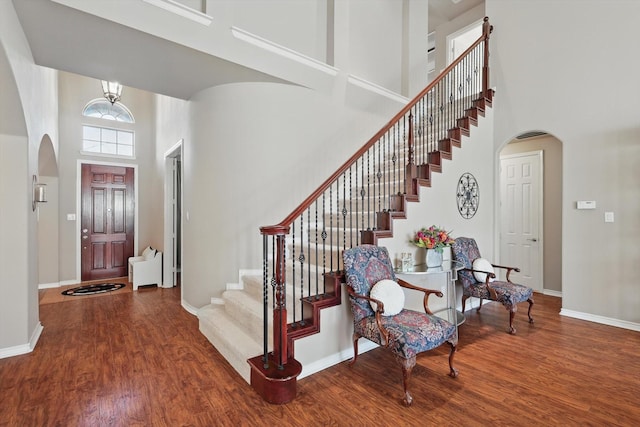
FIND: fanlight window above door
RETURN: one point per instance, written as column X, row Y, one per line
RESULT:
column 103, row 109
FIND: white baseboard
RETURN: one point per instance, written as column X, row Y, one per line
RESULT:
column 552, row 293
column 23, row 348
column 57, row 284
column 334, row 359
column 191, row 309
column 49, row 285
column 472, row 302
column 601, row 319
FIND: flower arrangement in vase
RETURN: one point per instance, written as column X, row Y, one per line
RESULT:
column 434, row 239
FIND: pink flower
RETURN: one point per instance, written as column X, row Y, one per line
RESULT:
column 432, row 238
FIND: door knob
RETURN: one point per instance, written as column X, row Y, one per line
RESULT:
column 533, row 240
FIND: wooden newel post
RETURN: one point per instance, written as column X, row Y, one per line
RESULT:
column 486, row 32
column 280, row 309
column 274, row 375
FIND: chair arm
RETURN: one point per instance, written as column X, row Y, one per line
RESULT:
column 509, row 269
column 427, row 292
column 487, row 282
column 379, row 311
column 136, row 258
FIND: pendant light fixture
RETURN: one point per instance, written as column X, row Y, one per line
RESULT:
column 112, row 91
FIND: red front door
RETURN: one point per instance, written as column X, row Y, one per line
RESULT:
column 107, row 221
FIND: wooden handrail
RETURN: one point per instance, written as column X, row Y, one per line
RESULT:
column 283, row 226
column 310, row 250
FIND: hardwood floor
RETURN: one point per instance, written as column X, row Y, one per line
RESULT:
column 138, row 359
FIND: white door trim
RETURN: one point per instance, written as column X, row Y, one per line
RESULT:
column 177, row 150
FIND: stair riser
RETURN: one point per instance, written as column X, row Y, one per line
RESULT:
column 233, row 342
column 243, row 316
column 251, row 320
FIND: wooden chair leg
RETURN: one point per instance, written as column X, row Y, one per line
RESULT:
column 453, row 372
column 512, row 314
column 407, row 366
column 529, row 312
column 464, row 302
column 479, row 306
column 356, row 337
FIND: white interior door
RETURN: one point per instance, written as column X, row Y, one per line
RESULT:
column 461, row 40
column 521, row 217
column 457, row 43
column 173, row 216
column 175, row 220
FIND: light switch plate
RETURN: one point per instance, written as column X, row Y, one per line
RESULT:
column 609, row 217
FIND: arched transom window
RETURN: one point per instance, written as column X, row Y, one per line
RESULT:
column 102, row 109
column 113, row 140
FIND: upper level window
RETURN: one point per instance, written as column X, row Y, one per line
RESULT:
column 98, row 139
column 102, row 109
column 107, row 141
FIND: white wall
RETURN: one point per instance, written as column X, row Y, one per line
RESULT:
column 37, row 94
column 257, row 150
column 568, row 68
column 375, row 42
column 298, row 25
column 15, row 308
column 48, row 237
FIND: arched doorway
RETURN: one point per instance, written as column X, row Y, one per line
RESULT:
column 549, row 238
column 47, row 217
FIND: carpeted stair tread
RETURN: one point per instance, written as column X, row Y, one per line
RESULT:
column 245, row 311
column 231, row 340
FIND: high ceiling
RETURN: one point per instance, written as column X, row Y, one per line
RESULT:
column 441, row 11
column 69, row 40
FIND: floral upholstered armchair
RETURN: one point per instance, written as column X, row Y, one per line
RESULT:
column 478, row 280
column 377, row 304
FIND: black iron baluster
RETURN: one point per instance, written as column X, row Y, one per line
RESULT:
column 344, row 210
column 301, row 259
column 351, row 207
column 377, row 185
column 316, row 243
column 331, row 228
column 309, row 251
column 265, row 301
column 293, row 269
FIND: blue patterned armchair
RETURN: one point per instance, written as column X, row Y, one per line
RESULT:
column 406, row 333
column 465, row 250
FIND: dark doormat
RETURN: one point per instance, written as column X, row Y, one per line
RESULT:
column 96, row 288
